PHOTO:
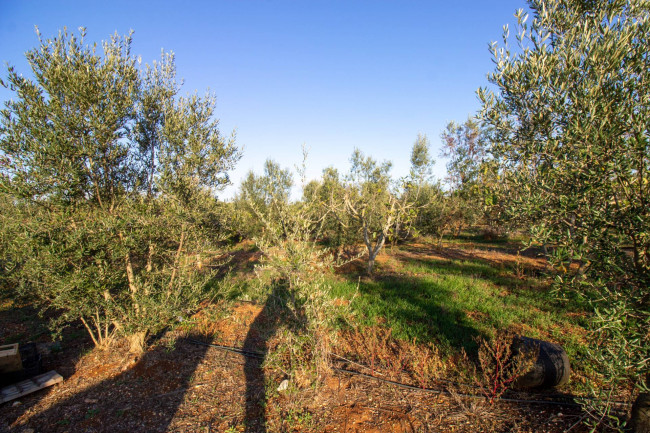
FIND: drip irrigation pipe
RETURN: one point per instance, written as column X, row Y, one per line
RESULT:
column 443, row 392
column 260, row 355
column 467, row 385
column 249, row 353
column 447, row 381
column 451, row 382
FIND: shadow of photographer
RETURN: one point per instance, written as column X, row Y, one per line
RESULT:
column 276, row 313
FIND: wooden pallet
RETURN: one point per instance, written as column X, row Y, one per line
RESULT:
column 28, row 386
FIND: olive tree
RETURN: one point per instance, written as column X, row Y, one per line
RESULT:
column 112, row 176
column 339, row 230
column 374, row 205
column 569, row 121
column 473, row 192
column 261, row 197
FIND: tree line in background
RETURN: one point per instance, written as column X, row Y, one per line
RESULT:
column 108, row 182
column 367, row 206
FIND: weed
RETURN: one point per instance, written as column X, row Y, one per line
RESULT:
column 298, row 418
column 425, row 363
column 91, row 413
column 170, row 345
column 500, row 365
column 391, row 357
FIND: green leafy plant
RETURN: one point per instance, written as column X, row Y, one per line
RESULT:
column 568, row 125
column 294, row 261
column 372, row 205
column 97, row 156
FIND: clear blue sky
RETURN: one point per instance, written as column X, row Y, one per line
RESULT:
column 333, row 75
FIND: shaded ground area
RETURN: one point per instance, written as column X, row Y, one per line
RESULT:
column 180, row 386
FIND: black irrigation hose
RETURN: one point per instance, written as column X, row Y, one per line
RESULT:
column 260, row 355
column 451, row 382
column 467, row 385
column 447, row 381
column 448, row 393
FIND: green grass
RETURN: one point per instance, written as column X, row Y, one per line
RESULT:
column 451, row 302
column 451, row 297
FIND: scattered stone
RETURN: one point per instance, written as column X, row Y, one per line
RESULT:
column 16, row 403
column 28, row 430
column 90, row 400
column 283, row 385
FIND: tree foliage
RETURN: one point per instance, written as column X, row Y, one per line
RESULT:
column 465, row 146
column 373, row 205
column 98, row 154
column 261, row 197
column 569, row 124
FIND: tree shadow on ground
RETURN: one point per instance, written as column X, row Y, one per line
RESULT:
column 145, row 393
column 143, row 397
column 416, row 310
column 495, row 266
column 430, row 310
column 21, row 323
column 277, row 312
column 528, row 291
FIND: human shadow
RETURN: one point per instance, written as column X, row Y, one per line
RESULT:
column 280, row 309
column 144, row 396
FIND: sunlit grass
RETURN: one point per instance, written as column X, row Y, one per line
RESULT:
column 451, row 302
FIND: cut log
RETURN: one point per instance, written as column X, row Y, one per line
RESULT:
column 28, row 386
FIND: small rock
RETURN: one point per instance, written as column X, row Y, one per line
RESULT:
column 90, row 400
column 28, row 430
column 16, row 403
column 283, row 385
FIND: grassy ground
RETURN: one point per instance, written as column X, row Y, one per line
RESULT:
column 423, row 307
column 452, row 296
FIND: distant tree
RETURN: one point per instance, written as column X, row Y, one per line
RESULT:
column 112, row 177
column 436, row 212
column 376, row 205
column 272, row 186
column 369, row 201
column 338, row 229
column 465, row 146
column 569, row 122
column 262, row 197
column 476, row 195
column 421, row 160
